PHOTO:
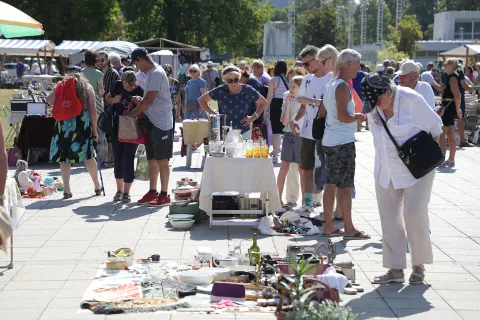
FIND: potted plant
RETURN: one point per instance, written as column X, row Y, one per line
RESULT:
column 300, row 294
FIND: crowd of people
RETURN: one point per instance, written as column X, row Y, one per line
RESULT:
column 314, row 109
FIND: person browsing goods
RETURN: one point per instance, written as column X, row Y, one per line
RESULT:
column 409, row 77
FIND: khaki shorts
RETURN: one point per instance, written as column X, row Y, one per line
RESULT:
column 307, row 154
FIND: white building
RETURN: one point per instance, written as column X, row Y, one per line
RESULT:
column 277, row 41
column 451, row 29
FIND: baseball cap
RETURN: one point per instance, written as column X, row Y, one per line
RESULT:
column 379, row 67
column 209, row 64
column 137, row 54
column 407, row 67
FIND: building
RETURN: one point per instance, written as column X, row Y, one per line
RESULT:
column 451, row 29
column 277, row 41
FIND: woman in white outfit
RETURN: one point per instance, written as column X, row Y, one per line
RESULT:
column 402, row 199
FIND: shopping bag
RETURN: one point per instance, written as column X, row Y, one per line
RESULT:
column 141, row 172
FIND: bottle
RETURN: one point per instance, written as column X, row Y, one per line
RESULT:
column 254, row 252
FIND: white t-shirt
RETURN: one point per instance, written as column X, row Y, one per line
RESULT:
column 160, row 112
column 427, row 77
column 426, row 92
column 312, row 87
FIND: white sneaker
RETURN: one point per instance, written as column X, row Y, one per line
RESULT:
column 275, row 159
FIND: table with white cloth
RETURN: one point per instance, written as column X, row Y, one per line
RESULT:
column 240, row 175
column 13, row 202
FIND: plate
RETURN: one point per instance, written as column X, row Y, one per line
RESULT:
column 180, row 216
column 217, row 154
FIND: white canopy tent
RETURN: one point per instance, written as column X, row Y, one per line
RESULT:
column 123, row 48
column 26, row 47
column 165, row 57
column 68, row 47
column 464, row 51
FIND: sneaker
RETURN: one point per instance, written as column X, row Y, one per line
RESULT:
column 418, row 275
column 161, row 201
column 290, row 204
column 392, row 276
column 275, row 159
column 148, row 197
column 118, row 196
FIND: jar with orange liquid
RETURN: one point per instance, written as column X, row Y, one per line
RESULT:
column 257, row 153
column 264, row 148
column 249, row 149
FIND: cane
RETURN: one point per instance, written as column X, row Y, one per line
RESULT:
column 98, row 166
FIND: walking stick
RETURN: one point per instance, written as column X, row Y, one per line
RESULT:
column 98, row 166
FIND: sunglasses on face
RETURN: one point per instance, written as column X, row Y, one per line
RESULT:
column 307, row 64
column 230, row 81
column 325, row 61
column 192, row 71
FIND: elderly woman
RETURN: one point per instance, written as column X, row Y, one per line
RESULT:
column 196, row 86
column 402, row 199
column 73, row 140
column 234, row 100
column 258, row 69
column 451, row 105
column 123, row 153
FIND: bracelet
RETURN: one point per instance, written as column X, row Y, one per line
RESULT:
column 256, row 114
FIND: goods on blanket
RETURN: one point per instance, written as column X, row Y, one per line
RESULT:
column 126, row 254
column 196, row 277
column 114, row 263
column 230, row 291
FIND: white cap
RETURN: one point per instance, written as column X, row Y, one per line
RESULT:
column 419, row 65
column 209, row 64
column 379, row 68
column 407, row 67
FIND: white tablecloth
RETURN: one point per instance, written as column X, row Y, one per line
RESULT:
column 14, row 202
column 241, row 175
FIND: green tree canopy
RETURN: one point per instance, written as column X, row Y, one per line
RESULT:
column 408, row 32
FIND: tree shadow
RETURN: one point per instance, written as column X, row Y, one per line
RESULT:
column 369, row 245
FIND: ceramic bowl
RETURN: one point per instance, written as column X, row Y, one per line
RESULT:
column 182, row 224
column 221, row 274
column 196, row 277
column 180, row 216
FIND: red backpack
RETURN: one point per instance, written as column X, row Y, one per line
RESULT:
column 67, row 105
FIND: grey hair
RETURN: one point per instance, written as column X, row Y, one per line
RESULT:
column 348, row 55
column 129, row 77
column 309, row 51
column 114, row 57
column 82, row 86
column 453, row 62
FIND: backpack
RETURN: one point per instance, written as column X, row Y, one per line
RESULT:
column 67, row 105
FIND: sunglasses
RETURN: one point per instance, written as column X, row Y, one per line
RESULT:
column 230, row 81
column 325, row 61
column 192, row 71
column 307, row 64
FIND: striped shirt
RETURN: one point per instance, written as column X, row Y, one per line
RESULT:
column 109, row 78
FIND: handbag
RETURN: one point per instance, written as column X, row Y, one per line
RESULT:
column 441, row 110
column 318, row 125
column 105, row 120
column 129, row 129
column 421, row 154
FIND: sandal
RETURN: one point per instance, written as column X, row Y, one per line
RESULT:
column 98, row 192
column 360, row 235
column 417, row 277
column 118, row 196
column 450, row 163
column 336, row 233
column 67, row 195
column 126, row 198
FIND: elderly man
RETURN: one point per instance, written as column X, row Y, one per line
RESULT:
column 116, row 63
column 339, row 145
column 210, row 75
column 408, row 76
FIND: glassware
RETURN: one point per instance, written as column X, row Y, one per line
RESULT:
column 254, row 252
column 211, row 146
column 230, row 149
column 249, row 149
column 256, row 150
column 264, row 149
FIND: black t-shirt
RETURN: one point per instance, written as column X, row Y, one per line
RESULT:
column 118, row 108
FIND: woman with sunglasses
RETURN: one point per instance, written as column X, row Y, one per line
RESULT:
column 402, row 199
column 196, row 86
column 234, row 100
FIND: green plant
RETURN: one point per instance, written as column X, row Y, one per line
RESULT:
column 322, row 311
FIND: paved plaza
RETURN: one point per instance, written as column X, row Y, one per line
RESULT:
column 60, row 244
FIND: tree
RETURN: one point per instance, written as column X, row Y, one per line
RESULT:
column 408, row 32
column 319, row 26
column 72, row 19
column 391, row 52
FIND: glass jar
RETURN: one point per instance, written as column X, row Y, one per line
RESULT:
column 264, row 148
column 256, row 150
column 249, row 149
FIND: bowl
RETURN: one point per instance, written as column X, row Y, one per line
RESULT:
column 181, row 216
column 182, row 224
column 220, row 274
column 196, row 277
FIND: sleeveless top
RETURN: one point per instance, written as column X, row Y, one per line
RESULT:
column 447, row 92
column 336, row 132
column 281, row 88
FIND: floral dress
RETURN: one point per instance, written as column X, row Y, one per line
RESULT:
column 72, row 140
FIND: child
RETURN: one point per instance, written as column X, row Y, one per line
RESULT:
column 290, row 146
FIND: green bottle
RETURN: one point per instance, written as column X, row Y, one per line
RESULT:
column 254, row 252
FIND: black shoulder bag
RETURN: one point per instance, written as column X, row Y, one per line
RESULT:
column 421, row 154
column 318, row 125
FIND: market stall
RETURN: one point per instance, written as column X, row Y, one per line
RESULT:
column 25, row 47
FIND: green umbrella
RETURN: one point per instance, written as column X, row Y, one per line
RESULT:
column 14, row 23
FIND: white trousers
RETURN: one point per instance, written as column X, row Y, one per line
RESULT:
column 293, row 183
column 404, row 215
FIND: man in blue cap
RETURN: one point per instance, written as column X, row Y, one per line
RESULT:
column 156, row 105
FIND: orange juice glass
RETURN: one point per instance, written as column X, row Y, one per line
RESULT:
column 249, row 153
